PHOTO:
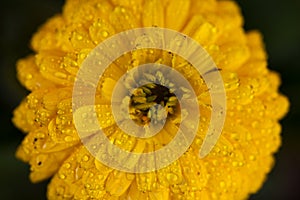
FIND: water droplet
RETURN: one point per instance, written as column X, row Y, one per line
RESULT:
column 222, row 184
column 83, row 192
column 68, row 138
column 255, row 124
column 67, row 165
column 105, row 34
column 29, row 76
column 234, row 163
column 84, row 115
column 62, row 176
column 198, row 141
column 60, row 75
column 215, row 162
column 172, row 177
column 79, row 37
column 85, row 158
column 178, row 43
column 252, row 157
column 123, row 10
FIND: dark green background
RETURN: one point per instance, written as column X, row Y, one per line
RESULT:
column 278, row 20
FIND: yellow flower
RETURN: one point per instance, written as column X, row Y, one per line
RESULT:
column 237, row 165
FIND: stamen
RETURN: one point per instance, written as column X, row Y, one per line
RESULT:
column 146, row 96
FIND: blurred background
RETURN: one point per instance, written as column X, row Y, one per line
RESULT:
column 277, row 20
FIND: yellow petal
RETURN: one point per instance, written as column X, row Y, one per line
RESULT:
column 45, row 165
column 118, row 182
column 47, row 38
column 175, row 9
column 49, row 66
column 24, row 117
column 29, row 75
column 123, row 19
column 146, row 181
column 153, row 14
column 170, row 175
column 80, row 39
column 135, row 5
column 200, row 30
column 100, row 30
column 107, row 87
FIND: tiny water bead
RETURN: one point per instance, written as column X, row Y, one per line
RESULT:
column 147, row 96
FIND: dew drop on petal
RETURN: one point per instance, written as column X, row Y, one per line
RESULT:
column 172, row 177
column 85, row 158
column 252, row 157
column 29, row 76
column 105, row 34
column 62, row 176
column 222, row 184
column 234, row 164
column 67, row 165
column 68, row 138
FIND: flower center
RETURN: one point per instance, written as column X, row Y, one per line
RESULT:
column 147, row 96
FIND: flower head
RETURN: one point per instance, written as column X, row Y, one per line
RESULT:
column 237, row 165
